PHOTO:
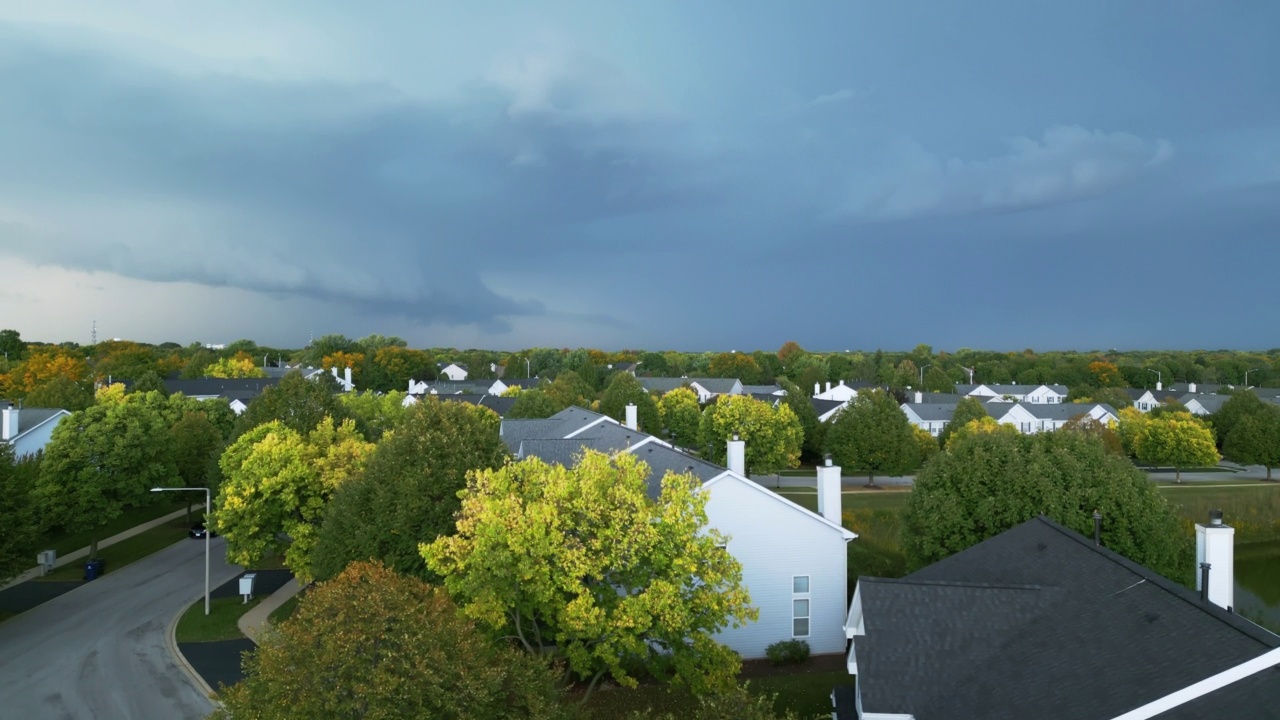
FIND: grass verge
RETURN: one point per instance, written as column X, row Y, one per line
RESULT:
column 285, row 611
column 126, row 551
column 133, row 517
column 219, row 624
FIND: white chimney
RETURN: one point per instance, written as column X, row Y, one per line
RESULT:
column 1191, row 387
column 842, row 382
column 9, row 423
column 1160, row 386
column 829, row 491
column 410, row 386
column 1215, row 545
column 632, row 422
column 817, row 388
column 347, row 374
column 737, row 453
column 334, row 370
column 828, row 386
column 919, row 397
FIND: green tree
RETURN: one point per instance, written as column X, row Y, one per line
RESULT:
column 196, row 443
column 408, row 491
column 1177, row 439
column 149, row 381
column 327, row 345
column 773, row 436
column 1234, row 410
column 569, row 388
column 986, row 483
column 278, row 482
column 926, row 445
column 199, row 359
column 815, row 433
column 239, row 365
column 624, row 389
column 300, row 404
column 937, row 380
column 969, row 408
column 873, row 435
column 736, row 365
column 375, row 412
column 1255, row 439
column 533, row 404
column 583, row 562
column 17, row 512
column 738, row 703
column 373, row 644
column 100, row 461
column 12, row 346
column 681, row 414
column 60, row 392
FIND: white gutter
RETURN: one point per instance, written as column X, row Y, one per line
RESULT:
column 1175, row 699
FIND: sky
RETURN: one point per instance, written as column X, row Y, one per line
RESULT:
column 662, row 175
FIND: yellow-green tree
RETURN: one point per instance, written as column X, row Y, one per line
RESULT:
column 1129, row 424
column 581, row 561
column 735, row 365
column 374, row 644
column 773, row 436
column 680, row 414
column 984, row 424
column 239, row 365
column 41, row 367
column 1177, row 439
column 277, row 481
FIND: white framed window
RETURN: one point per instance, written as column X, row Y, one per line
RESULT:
column 800, row 610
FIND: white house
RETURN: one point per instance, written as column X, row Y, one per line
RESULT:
column 500, row 385
column 29, row 430
column 839, row 392
column 707, row 389
column 1033, row 394
column 1030, row 418
column 1205, row 404
column 794, row 561
column 932, row 417
column 453, row 371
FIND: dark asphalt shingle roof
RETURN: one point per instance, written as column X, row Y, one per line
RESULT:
column 1010, row 389
column 662, row 459
column 1038, row 623
column 718, row 386
column 1062, row 411
column 1211, row 403
column 243, row 388
column 933, row 412
column 516, row 431
column 823, row 407
column 496, row 403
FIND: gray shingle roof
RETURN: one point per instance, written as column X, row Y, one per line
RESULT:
column 661, row 385
column 1211, row 403
column 933, row 412
column 30, row 418
column 496, row 403
column 662, row 459
column 760, row 389
column 1010, row 389
column 1201, row 388
column 1038, row 623
column 516, row 431
column 454, row 387
column 1062, row 411
column 823, row 407
column 242, row 388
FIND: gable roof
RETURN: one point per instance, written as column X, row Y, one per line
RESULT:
column 1038, row 622
column 762, row 389
column 822, row 407
column 31, row 418
column 932, row 412
column 242, row 388
column 443, row 365
column 497, row 403
column 1210, row 403
column 1010, row 389
column 718, row 386
column 1062, row 411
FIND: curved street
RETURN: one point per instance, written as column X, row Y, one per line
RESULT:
column 99, row 651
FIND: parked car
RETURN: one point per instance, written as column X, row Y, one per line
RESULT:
column 198, row 530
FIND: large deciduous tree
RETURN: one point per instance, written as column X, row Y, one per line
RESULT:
column 583, row 562
column 969, row 408
column 100, row 461
column 60, row 392
column 1255, row 439
column 278, row 482
column 408, row 491
column 735, row 365
column 240, row 365
column 532, row 405
column 681, row 415
column 625, row 389
column 1177, row 439
column 815, row 433
column 986, row 483
column 376, row 412
column 17, row 512
column 300, row 404
column 373, row 644
column 773, row 436
column 1238, row 407
column 873, row 435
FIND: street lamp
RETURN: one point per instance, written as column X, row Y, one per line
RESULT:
column 208, row 504
column 1159, row 377
column 1246, row 377
column 922, row 369
column 527, row 372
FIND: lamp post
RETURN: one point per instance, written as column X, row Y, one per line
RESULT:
column 1159, row 377
column 527, row 372
column 208, row 504
column 1246, row 377
column 922, row 369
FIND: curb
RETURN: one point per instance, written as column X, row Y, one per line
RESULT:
column 171, row 642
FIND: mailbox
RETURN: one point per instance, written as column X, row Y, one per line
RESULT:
column 246, row 585
column 46, row 560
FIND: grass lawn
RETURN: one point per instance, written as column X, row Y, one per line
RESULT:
column 127, row 551
column 219, row 624
column 285, row 611
column 133, row 517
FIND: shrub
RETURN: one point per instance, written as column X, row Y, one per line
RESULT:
column 788, row 652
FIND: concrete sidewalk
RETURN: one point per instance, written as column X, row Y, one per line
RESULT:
column 258, row 620
column 83, row 552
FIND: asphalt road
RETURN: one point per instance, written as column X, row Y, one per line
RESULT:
column 99, row 651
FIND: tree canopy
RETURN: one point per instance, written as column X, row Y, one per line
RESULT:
column 873, row 435
column 17, row 512
column 681, row 414
column 1255, row 439
column 986, row 483
column 815, row 433
column 773, row 436
column 583, row 561
column 408, row 490
column 1176, row 439
column 533, row 404
column 969, row 408
column 376, row 645
column 624, row 388
column 298, row 403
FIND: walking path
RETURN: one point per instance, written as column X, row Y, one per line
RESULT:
column 258, row 620
column 83, row 552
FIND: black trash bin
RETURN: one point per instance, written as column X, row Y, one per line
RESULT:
column 93, row 569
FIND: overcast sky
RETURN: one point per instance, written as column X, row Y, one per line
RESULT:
column 688, row 175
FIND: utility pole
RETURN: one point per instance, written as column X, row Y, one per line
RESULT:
column 93, row 336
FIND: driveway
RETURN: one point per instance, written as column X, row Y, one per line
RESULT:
column 99, row 651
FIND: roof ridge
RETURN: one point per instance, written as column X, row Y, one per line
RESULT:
column 958, row 583
column 1175, row 589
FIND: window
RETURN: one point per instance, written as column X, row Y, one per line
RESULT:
column 800, row 606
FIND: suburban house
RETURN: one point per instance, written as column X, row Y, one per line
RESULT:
column 932, row 417
column 28, row 430
column 706, row 388
column 500, row 385
column 1043, row 622
column 453, row 371
column 799, row 586
column 1031, row 418
column 498, row 404
column 1147, row 400
column 1205, row 404
column 449, row 387
column 1033, row 394
column 763, row 390
column 238, row 392
column 1194, row 388
column 827, row 409
column 840, row 392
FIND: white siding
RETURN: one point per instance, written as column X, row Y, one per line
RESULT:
column 775, row 542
